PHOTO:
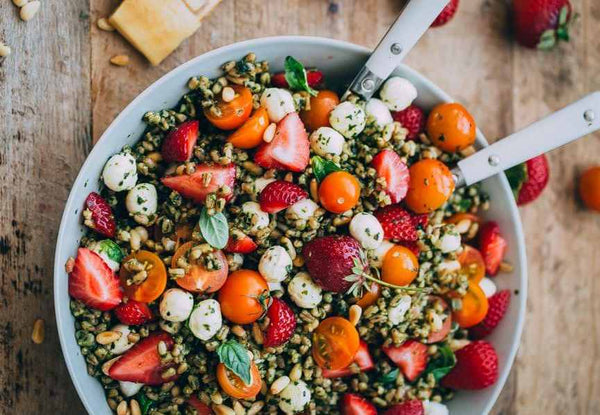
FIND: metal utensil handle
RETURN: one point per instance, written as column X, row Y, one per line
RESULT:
column 414, row 20
column 570, row 123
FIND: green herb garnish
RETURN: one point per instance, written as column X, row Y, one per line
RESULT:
column 145, row 403
column 442, row 365
column 322, row 167
column 235, row 358
column 390, row 377
column 295, row 75
column 516, row 176
column 214, row 228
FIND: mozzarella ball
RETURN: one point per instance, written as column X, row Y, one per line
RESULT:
column 206, row 319
column 294, row 397
column 275, row 264
column 435, row 408
column 378, row 113
column 130, row 388
column 304, row 209
column 348, row 119
column 122, row 344
column 376, row 256
column 120, row 172
column 142, row 199
column 367, row 230
column 325, row 140
column 176, row 305
column 450, row 242
column 275, row 286
column 398, row 309
column 261, row 183
column 488, row 287
column 398, row 93
column 257, row 219
column 278, row 102
column 304, row 292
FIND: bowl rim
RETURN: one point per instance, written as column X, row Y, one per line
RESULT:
column 61, row 317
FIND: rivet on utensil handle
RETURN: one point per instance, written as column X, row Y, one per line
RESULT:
column 589, row 115
column 396, row 49
column 494, row 160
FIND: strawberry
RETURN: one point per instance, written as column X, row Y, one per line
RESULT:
column 541, row 23
column 413, row 246
column 476, row 367
column 313, row 78
column 353, row 404
column 411, row 357
column 411, row 118
column 207, row 178
column 142, row 363
column 528, row 179
column 446, row 14
column 330, row 259
column 240, row 243
column 412, row 407
column 398, row 224
column 200, row 407
column 279, row 195
column 282, row 323
column 102, row 219
column 179, row 143
column 498, row 304
column 289, row 149
column 492, row 247
column 387, row 164
column 93, row 283
column 133, row 313
column 362, row 358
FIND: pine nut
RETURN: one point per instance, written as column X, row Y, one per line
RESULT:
column 29, row 10
column 4, row 50
column 104, row 24
column 120, row 60
column 106, row 366
column 269, row 133
column 38, row 331
column 216, row 398
column 296, row 372
column 108, row 337
column 135, row 240
column 463, row 226
column 20, row 3
column 457, row 344
column 238, row 408
column 135, row 407
column 142, row 232
column 255, row 408
column 238, row 331
column 314, row 190
column 279, row 385
column 354, row 314
column 228, row 94
column 257, row 334
column 223, row 410
column 506, row 267
column 122, row 408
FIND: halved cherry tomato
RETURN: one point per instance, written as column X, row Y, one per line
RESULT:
column 339, row 192
column 235, row 387
column 474, row 307
column 335, row 343
column 370, row 296
column 251, row 133
column 589, row 188
column 200, row 407
column 198, row 279
column 156, row 277
column 471, row 262
column 245, row 297
column 230, row 115
column 400, row 266
column 463, row 221
column 430, row 186
column 439, row 335
column 320, row 108
column 451, row 127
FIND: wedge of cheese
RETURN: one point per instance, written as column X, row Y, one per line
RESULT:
column 157, row 27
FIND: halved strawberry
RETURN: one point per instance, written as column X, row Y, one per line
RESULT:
column 289, row 149
column 353, row 404
column 133, row 313
column 282, row 323
column 179, row 143
column 93, row 283
column 492, row 246
column 240, row 243
column 313, row 78
column 207, row 178
column 387, row 164
column 412, row 407
column 411, row 357
column 102, row 219
column 413, row 119
column 498, row 304
column 200, row 407
column 476, row 367
column 362, row 358
column 398, row 224
column 142, row 363
column 279, row 195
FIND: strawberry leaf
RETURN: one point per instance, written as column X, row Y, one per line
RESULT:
column 235, row 358
column 295, row 75
column 516, row 176
column 547, row 40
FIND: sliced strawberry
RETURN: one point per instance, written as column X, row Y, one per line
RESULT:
column 93, row 283
column 133, row 313
column 313, row 78
column 289, row 149
column 279, row 195
column 476, row 367
column 102, row 219
column 207, row 178
column 412, row 407
column 200, row 407
column 492, row 246
column 387, row 164
column 411, row 118
column 411, row 357
column 446, row 14
column 142, row 363
column 179, row 143
column 282, row 323
column 413, row 246
column 398, row 224
column 498, row 304
column 353, row 404
column 439, row 335
column 362, row 358
column 240, row 243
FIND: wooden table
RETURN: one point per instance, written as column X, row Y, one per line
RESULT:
column 58, row 91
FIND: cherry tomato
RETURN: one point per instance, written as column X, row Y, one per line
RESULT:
column 230, row 115
column 198, row 279
column 370, row 296
column 251, row 133
column 339, row 192
column 472, row 263
column 451, row 127
column 200, row 407
column 400, row 266
column 589, row 188
column 245, row 296
column 430, row 186
column 474, row 307
column 335, row 343
column 466, row 218
column 235, row 387
column 439, row 335
column 156, row 277
column 320, row 108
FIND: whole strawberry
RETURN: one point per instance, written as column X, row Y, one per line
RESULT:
column 398, row 224
column 529, row 179
column 98, row 215
column 476, row 367
column 412, row 407
column 282, row 323
column 498, row 304
column 446, row 15
column 541, row 23
column 411, row 118
column 133, row 313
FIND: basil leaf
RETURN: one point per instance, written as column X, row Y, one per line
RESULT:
column 235, row 358
column 390, row 377
column 295, row 75
column 145, row 403
column 441, row 365
column 214, row 228
column 516, row 176
column 322, row 167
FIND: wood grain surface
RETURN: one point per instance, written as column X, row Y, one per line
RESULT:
column 58, row 90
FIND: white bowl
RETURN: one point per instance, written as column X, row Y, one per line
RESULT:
column 339, row 61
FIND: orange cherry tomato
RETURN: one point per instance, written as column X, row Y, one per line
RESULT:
column 400, row 266
column 474, row 307
column 251, row 133
column 589, row 188
column 245, row 296
column 230, row 115
column 197, row 278
column 370, row 296
column 471, row 262
column 430, row 186
column 451, row 127
column 320, row 108
column 154, row 284
column 339, row 192
column 235, row 387
column 335, row 343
